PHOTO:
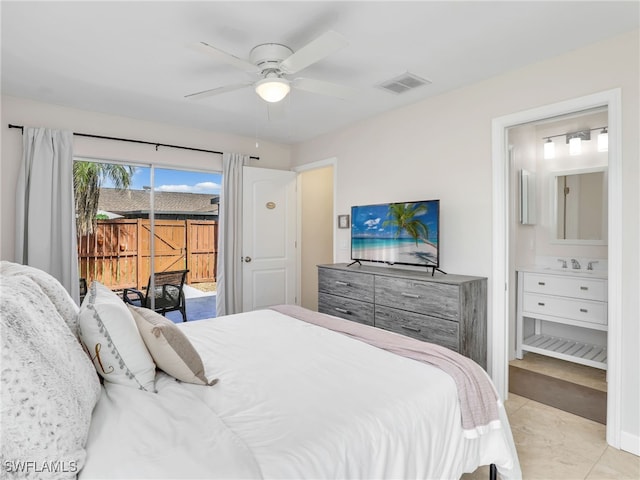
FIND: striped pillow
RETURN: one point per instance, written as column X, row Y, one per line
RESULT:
column 169, row 346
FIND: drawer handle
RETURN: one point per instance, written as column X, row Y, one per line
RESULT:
column 541, row 283
column 584, row 310
column 541, row 304
column 409, row 295
column 343, row 284
column 584, row 288
column 411, row 329
column 342, row 310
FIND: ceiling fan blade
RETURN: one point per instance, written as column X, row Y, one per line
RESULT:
column 316, row 50
column 324, row 88
column 217, row 91
column 226, row 57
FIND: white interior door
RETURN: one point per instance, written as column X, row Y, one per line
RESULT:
column 269, row 238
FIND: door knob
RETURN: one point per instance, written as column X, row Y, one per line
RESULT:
column 247, row 259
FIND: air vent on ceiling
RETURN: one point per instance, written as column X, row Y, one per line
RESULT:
column 403, row 83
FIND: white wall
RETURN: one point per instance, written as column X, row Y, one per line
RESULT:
column 29, row 113
column 522, row 238
column 441, row 148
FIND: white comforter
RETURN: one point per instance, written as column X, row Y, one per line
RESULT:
column 294, row 401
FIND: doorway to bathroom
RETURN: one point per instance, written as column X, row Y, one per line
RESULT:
column 558, row 262
column 503, row 281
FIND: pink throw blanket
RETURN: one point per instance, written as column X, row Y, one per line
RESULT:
column 478, row 397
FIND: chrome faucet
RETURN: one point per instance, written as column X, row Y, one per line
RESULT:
column 564, row 262
column 590, row 264
column 575, row 264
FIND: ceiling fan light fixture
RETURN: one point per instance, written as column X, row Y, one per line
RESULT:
column 273, row 90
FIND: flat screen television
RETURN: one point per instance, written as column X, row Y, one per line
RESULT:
column 405, row 233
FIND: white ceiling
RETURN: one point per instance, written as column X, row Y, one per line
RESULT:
column 133, row 58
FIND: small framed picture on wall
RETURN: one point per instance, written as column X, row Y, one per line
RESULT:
column 343, row 221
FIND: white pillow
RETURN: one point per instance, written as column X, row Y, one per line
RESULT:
column 169, row 346
column 49, row 386
column 110, row 334
column 51, row 287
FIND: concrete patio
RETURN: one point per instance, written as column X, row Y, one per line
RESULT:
column 200, row 305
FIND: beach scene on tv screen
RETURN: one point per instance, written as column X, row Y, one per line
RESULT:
column 396, row 233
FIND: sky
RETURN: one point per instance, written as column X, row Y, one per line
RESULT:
column 167, row 180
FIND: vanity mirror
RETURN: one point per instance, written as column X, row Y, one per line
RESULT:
column 580, row 206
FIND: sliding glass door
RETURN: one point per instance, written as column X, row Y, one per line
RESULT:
column 136, row 220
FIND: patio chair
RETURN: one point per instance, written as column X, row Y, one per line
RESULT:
column 83, row 289
column 169, row 294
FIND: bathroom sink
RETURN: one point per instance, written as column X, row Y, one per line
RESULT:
column 570, row 271
column 558, row 270
column 567, row 270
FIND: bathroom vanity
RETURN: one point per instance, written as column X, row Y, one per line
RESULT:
column 562, row 313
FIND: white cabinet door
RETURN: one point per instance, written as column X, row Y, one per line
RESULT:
column 269, row 238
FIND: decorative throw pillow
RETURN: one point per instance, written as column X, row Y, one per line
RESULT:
column 110, row 334
column 48, row 386
column 169, row 346
column 51, row 287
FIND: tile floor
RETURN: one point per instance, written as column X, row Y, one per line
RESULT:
column 553, row 444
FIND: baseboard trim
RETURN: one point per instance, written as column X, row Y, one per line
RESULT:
column 630, row 443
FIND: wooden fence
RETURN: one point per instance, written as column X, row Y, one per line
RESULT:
column 118, row 253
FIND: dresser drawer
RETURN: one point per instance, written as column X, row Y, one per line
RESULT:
column 576, row 287
column 575, row 309
column 346, row 308
column 346, row 284
column 429, row 298
column 421, row 327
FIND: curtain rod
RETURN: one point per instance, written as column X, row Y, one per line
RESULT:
column 139, row 141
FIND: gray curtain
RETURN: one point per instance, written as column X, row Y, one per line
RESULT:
column 45, row 211
column 229, row 274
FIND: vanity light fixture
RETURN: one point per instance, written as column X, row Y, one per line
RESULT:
column 549, row 149
column 603, row 140
column 575, row 139
column 575, row 146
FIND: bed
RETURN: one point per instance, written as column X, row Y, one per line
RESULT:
column 280, row 393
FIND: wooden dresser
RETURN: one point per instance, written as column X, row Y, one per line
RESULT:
column 449, row 310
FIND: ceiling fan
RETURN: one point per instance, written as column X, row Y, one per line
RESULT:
column 274, row 62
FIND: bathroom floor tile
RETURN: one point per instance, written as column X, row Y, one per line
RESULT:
column 568, row 396
column 569, row 371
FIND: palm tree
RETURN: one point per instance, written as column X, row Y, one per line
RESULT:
column 403, row 216
column 88, row 177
